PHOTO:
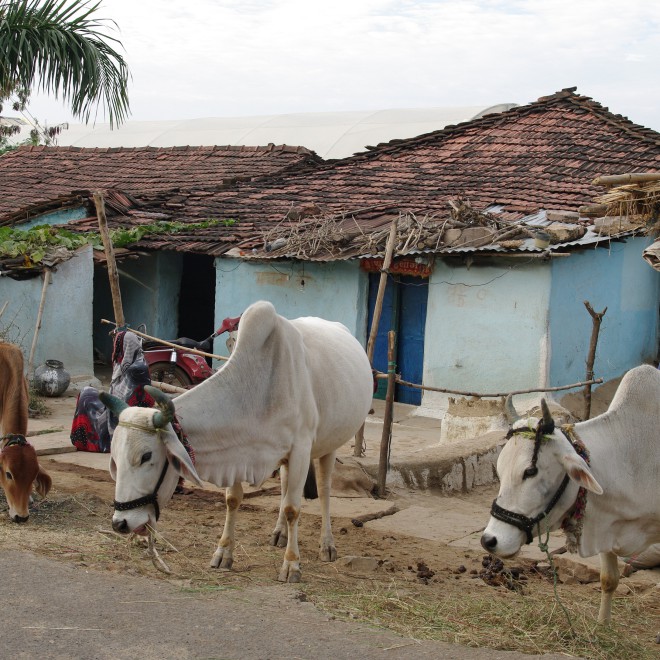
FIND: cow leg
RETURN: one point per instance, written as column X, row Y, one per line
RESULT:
column 291, row 502
column 223, row 557
column 609, row 581
column 327, row 551
column 279, row 537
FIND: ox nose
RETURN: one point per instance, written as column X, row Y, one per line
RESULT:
column 20, row 519
column 120, row 526
column 488, row 542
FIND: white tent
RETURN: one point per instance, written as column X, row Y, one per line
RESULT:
column 329, row 134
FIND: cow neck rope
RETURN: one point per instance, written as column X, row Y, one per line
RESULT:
column 572, row 524
column 146, row 499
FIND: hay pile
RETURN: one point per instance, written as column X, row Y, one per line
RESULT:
column 637, row 202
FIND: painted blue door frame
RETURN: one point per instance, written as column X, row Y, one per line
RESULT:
column 404, row 311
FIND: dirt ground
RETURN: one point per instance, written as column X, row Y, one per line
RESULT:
column 413, row 586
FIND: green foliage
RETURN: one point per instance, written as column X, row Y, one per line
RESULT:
column 35, row 243
column 60, row 47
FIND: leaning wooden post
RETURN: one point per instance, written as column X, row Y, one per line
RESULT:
column 40, row 314
column 591, row 357
column 113, row 275
column 375, row 321
column 386, row 438
column 382, row 284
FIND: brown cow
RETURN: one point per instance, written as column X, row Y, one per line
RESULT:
column 19, row 467
column 19, row 473
column 13, row 390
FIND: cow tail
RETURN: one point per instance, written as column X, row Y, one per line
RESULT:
column 310, row 491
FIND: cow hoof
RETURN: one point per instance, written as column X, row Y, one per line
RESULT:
column 278, row 539
column 290, row 576
column 222, row 562
column 328, row 554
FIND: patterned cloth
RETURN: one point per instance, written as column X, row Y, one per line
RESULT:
column 93, row 424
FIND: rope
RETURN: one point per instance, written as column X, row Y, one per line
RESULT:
column 544, row 547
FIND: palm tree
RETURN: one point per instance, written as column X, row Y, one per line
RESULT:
column 58, row 47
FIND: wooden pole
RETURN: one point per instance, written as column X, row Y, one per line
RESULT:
column 386, row 438
column 113, row 275
column 591, row 357
column 375, row 321
column 167, row 388
column 170, row 344
column 40, row 314
column 382, row 284
column 623, row 179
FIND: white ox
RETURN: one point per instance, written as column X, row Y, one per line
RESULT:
column 622, row 514
column 291, row 391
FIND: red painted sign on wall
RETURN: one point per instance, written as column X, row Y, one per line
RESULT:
column 399, row 267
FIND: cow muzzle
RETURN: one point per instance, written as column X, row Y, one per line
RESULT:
column 19, row 519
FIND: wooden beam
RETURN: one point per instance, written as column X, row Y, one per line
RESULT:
column 40, row 313
column 113, row 275
column 623, row 179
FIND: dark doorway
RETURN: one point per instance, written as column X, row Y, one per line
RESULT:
column 404, row 311
column 197, row 297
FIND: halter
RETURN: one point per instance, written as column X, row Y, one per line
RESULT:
column 519, row 520
column 146, row 499
column 13, row 439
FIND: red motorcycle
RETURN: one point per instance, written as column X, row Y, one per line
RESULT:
column 178, row 366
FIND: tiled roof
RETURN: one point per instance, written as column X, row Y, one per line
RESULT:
column 544, row 155
column 32, row 177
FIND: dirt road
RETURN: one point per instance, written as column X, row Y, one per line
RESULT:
column 74, row 589
column 57, row 610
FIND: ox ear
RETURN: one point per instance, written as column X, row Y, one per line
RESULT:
column 179, row 459
column 113, row 469
column 43, row 482
column 578, row 470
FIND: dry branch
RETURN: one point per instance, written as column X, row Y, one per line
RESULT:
column 360, row 520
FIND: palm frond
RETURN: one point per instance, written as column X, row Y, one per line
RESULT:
column 62, row 48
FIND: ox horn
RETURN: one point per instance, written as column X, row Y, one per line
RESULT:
column 547, row 423
column 115, row 404
column 166, row 413
column 512, row 415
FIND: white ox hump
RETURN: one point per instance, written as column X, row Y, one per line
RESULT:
column 289, row 386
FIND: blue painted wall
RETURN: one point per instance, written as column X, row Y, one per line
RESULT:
column 150, row 295
column 486, row 328
column 336, row 291
column 66, row 327
column 617, row 278
column 59, row 217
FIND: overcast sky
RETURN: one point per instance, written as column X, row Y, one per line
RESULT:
column 223, row 58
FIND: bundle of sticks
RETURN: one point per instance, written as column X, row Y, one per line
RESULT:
column 337, row 235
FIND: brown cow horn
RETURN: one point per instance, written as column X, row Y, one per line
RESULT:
column 115, row 404
column 166, row 413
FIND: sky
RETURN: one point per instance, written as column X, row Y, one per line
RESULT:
column 227, row 58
